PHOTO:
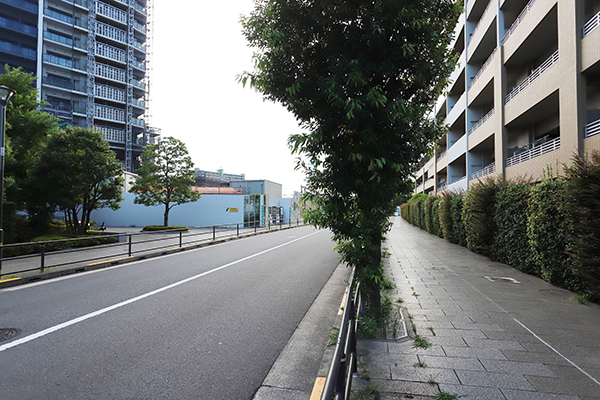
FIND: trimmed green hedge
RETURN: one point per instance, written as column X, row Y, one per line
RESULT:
column 153, row 228
column 60, row 244
column 478, row 216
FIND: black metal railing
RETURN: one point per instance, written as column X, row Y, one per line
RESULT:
column 339, row 378
column 125, row 245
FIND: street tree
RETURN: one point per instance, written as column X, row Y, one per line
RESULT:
column 361, row 77
column 165, row 176
column 27, row 130
column 78, row 173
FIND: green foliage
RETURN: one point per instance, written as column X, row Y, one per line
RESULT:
column 445, row 215
column 478, row 216
column 511, row 245
column 435, row 218
column 549, row 232
column 360, row 78
column 59, row 243
column 421, row 342
column 93, row 180
column 154, row 228
column 459, row 233
column 429, row 213
column 583, row 206
column 165, row 176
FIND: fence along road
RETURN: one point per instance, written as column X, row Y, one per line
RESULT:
column 203, row 324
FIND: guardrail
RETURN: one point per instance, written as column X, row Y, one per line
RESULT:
column 339, row 378
column 127, row 245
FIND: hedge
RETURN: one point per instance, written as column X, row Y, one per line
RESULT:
column 478, row 216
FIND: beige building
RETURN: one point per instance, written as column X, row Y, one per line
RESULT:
column 525, row 93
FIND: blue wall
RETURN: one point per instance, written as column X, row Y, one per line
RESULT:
column 209, row 210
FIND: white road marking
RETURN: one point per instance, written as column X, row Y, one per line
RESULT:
column 141, row 297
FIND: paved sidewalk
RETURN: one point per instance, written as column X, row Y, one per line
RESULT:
column 496, row 333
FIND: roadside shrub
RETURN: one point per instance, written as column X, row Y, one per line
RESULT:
column 445, row 213
column 583, row 195
column 153, row 228
column 478, row 216
column 59, row 243
column 459, row 233
column 436, row 226
column 511, row 245
column 549, row 233
column 429, row 213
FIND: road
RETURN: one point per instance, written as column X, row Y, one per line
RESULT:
column 201, row 324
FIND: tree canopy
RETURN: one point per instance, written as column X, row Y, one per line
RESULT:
column 165, row 176
column 361, row 77
column 78, row 173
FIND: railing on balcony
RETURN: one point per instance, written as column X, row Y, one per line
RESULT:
column 139, row 65
column 82, row 3
column 441, row 155
column 139, row 84
column 482, row 120
column 111, row 32
column 487, row 9
column 77, row 43
column 139, row 27
column 110, row 52
column 138, row 103
column 110, row 93
column 139, row 46
column 442, row 186
column 553, row 59
column 138, row 122
column 111, row 12
column 593, row 128
column 80, row 22
column 457, row 178
column 109, row 113
column 517, row 21
column 112, row 134
column 488, row 169
column 65, row 62
column 533, row 150
column 110, row 72
column 592, row 24
column 483, row 67
column 140, row 8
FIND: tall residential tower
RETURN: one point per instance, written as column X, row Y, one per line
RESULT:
column 92, row 62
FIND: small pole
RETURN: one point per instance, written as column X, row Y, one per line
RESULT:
column 180, row 238
column 214, row 232
column 238, row 229
column 43, row 257
column 129, row 251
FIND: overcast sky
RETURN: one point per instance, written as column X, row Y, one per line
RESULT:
column 198, row 51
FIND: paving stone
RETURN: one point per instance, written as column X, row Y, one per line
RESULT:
column 473, row 392
column 542, row 358
column 406, row 387
column 494, row 379
column 460, row 333
column 405, row 348
column 474, row 352
column 424, row 374
column 524, row 368
column 497, row 344
column 512, row 394
column 454, row 363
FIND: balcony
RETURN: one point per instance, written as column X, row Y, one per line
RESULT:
column 139, row 84
column 533, row 150
column 139, row 27
column 109, row 113
column 82, row 3
column 483, row 68
column 69, row 20
column 140, row 9
column 592, row 24
column 110, row 52
column 482, row 120
column 517, row 21
column 112, row 134
column 138, row 122
column 111, row 12
column 592, row 129
column 110, row 72
column 111, row 32
column 80, row 65
column 64, row 83
column 553, row 59
column 489, row 169
column 109, row 93
column 17, row 50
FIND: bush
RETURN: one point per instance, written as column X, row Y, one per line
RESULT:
column 429, row 213
column 583, row 189
column 478, row 216
column 435, row 218
column 445, row 213
column 154, row 228
column 459, row 233
column 58, row 243
column 549, row 233
column 511, row 245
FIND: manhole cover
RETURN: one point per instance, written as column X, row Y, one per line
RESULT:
column 8, row 333
column 500, row 279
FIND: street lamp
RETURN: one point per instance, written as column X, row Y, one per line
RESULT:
column 5, row 95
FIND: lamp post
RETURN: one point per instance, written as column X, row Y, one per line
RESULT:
column 5, row 95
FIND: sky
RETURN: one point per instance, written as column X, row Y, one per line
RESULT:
column 195, row 97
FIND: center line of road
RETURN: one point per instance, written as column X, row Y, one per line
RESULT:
column 141, row 297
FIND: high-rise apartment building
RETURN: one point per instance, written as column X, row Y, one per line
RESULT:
column 92, row 61
column 525, row 94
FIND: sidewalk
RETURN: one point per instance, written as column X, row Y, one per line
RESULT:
column 496, row 333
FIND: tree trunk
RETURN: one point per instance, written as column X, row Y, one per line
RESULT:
column 166, row 216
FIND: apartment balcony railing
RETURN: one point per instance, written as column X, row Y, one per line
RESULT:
column 520, row 18
column 593, row 128
column 138, row 122
column 110, row 52
column 533, row 150
column 65, row 62
column 82, row 3
column 483, row 67
column 139, row 46
column 482, row 120
column 488, row 169
column 109, row 113
column 18, row 50
column 112, row 134
column 110, row 72
column 18, row 27
column 553, row 59
column 111, row 32
column 442, row 187
column 138, row 103
column 79, row 107
column 64, row 83
column 23, row 5
column 139, row 27
column 591, row 24
column 111, row 12
column 139, row 84
column 140, row 8
column 80, row 22
column 441, row 155
column 139, row 65
column 487, row 9
column 110, row 93
column 457, row 178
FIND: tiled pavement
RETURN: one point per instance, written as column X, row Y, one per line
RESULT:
column 491, row 338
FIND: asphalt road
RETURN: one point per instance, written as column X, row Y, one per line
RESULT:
column 202, row 324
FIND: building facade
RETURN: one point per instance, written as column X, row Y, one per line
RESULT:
column 525, row 94
column 91, row 58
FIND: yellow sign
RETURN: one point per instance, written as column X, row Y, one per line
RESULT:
column 231, row 209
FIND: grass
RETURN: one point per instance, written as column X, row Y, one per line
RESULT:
column 580, row 298
column 432, row 331
column 445, row 396
column 332, row 336
column 421, row 342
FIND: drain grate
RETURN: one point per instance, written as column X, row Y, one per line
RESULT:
column 8, row 333
column 501, row 279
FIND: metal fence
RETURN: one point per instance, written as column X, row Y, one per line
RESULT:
column 339, row 378
column 81, row 255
